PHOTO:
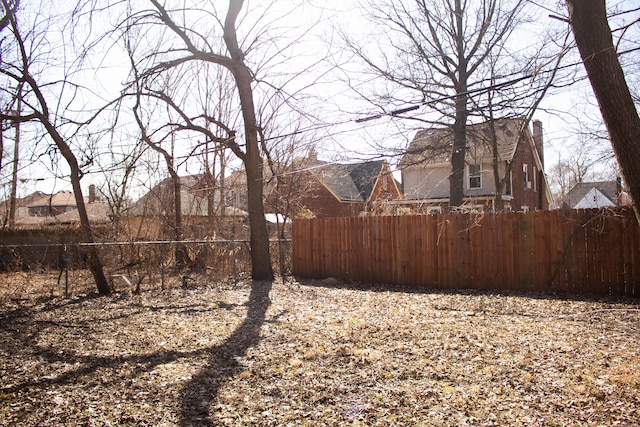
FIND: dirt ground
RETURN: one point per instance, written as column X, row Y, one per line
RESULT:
column 306, row 353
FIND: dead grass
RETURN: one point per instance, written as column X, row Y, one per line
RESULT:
column 316, row 355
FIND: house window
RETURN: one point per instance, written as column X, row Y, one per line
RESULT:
column 475, row 176
column 535, row 173
column 434, row 210
column 527, row 179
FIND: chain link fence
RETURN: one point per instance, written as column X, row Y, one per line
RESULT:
column 135, row 266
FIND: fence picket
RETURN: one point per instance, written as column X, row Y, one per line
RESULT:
column 578, row 251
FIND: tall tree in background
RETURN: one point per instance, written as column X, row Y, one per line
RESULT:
column 177, row 51
column 191, row 47
column 18, row 67
column 517, row 101
column 175, row 40
column 440, row 48
column 593, row 36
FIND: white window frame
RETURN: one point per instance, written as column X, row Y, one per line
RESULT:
column 434, row 210
column 477, row 175
column 527, row 180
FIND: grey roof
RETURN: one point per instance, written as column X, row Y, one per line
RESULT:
column 351, row 182
column 160, row 198
column 61, row 198
column 97, row 212
column 434, row 146
column 580, row 190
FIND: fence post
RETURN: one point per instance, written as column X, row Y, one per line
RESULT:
column 66, row 271
column 233, row 245
column 162, row 264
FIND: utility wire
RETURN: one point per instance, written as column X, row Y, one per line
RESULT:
column 414, row 107
column 445, row 98
column 478, row 90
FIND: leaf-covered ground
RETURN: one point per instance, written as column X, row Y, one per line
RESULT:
column 303, row 353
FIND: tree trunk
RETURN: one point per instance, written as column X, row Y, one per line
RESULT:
column 593, row 37
column 456, row 179
column 498, row 201
column 259, row 237
column 93, row 259
column 16, row 162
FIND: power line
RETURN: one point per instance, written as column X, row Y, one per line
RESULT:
column 445, row 98
column 498, row 86
column 543, row 7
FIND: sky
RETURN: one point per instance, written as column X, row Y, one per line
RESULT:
column 310, row 31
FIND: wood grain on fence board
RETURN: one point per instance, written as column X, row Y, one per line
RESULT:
column 582, row 251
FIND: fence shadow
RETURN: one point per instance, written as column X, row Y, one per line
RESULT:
column 201, row 391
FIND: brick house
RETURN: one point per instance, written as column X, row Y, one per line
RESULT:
column 517, row 153
column 339, row 190
column 60, row 208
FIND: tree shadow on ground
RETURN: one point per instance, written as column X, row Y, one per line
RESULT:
column 201, row 391
column 197, row 396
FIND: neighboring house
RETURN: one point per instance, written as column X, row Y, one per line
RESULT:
column 338, row 190
column 602, row 194
column 52, row 205
column 97, row 212
column 195, row 193
column 312, row 186
column 159, row 201
column 58, row 208
column 426, row 167
column 22, row 209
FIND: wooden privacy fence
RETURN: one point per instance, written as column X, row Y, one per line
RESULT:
column 581, row 251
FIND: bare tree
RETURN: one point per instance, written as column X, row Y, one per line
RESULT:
column 438, row 50
column 519, row 102
column 36, row 109
column 180, row 251
column 593, row 36
column 8, row 9
column 586, row 161
column 185, row 50
column 195, row 49
column 118, row 171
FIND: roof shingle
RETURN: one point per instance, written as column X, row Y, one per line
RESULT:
column 351, row 182
column 434, row 146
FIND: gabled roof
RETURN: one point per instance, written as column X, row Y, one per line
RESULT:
column 161, row 202
column 21, row 201
column 434, row 146
column 350, row 182
column 97, row 212
column 608, row 189
column 193, row 196
column 61, row 198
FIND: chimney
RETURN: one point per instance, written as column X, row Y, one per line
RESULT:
column 537, row 139
column 93, row 197
column 313, row 155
